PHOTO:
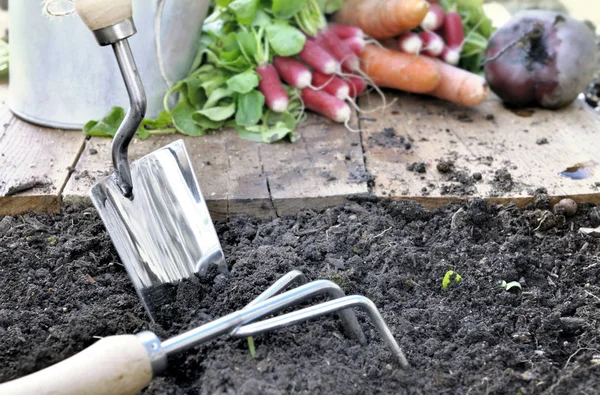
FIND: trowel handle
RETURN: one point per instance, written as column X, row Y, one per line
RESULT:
column 98, row 14
column 118, row 365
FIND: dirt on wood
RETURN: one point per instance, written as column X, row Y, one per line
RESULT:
column 62, row 287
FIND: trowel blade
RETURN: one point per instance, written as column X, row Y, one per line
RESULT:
column 165, row 233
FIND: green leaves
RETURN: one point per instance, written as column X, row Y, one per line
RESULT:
column 249, row 108
column 221, row 88
column 285, row 40
column 286, row 9
column 243, row 83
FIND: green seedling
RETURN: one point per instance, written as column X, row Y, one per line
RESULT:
column 251, row 347
column 511, row 285
column 52, row 240
column 450, row 276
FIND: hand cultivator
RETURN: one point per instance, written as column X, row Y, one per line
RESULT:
column 126, row 364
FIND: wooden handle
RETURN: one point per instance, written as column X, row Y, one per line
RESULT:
column 98, row 14
column 117, row 365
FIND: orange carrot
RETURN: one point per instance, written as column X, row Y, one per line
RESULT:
column 383, row 18
column 393, row 69
column 460, row 86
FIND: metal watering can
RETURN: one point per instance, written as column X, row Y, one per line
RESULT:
column 47, row 55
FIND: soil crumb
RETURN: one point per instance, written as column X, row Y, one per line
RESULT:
column 474, row 336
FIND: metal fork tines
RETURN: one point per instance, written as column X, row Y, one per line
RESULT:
column 245, row 322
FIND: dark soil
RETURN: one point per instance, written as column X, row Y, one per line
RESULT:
column 63, row 286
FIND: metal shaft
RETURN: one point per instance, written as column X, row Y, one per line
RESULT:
column 226, row 324
column 133, row 118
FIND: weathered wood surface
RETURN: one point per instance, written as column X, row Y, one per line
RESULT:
column 483, row 140
column 35, row 164
column 239, row 177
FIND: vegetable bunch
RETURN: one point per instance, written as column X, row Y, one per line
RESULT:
column 455, row 31
column 259, row 65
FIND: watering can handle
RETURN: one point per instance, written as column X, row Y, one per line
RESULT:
column 118, row 365
column 99, row 14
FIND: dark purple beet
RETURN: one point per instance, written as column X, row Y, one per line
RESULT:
column 541, row 58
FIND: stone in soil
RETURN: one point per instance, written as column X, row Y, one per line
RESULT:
column 473, row 337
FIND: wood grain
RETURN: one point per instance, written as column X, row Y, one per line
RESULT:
column 227, row 168
column 320, row 170
column 480, row 140
column 35, row 164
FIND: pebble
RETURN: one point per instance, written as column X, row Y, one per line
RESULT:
column 566, row 207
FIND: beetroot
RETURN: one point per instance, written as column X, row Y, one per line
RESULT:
column 541, row 58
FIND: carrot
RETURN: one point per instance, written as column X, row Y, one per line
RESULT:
column 393, row 69
column 383, row 18
column 460, row 86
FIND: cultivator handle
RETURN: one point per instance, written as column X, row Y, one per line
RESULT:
column 116, row 365
column 99, row 14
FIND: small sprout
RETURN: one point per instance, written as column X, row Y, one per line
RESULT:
column 251, row 347
column 356, row 250
column 52, row 240
column 450, row 276
column 510, row 285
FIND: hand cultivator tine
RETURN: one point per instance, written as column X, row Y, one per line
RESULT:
column 323, row 309
column 349, row 320
column 295, row 276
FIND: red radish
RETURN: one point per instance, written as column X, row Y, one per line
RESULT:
column 327, row 105
column 346, row 31
column 357, row 86
column 271, row 87
column 340, row 50
column 293, row 72
column 356, row 44
column 433, row 44
column 331, row 84
column 454, row 33
column 318, row 58
column 434, row 18
column 410, row 42
column 450, row 56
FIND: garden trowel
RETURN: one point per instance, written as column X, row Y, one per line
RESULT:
column 152, row 208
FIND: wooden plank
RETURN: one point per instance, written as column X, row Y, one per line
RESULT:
column 322, row 169
column 228, row 171
column 480, row 140
column 35, row 164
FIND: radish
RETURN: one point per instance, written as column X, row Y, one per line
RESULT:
column 541, row 58
column 331, row 84
column 356, row 44
column 433, row 44
column 345, row 31
column 450, row 56
column 410, row 42
column 293, row 72
column 454, row 33
column 318, row 58
column 340, row 50
column 327, row 105
column 434, row 18
column 271, row 87
column 357, row 86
